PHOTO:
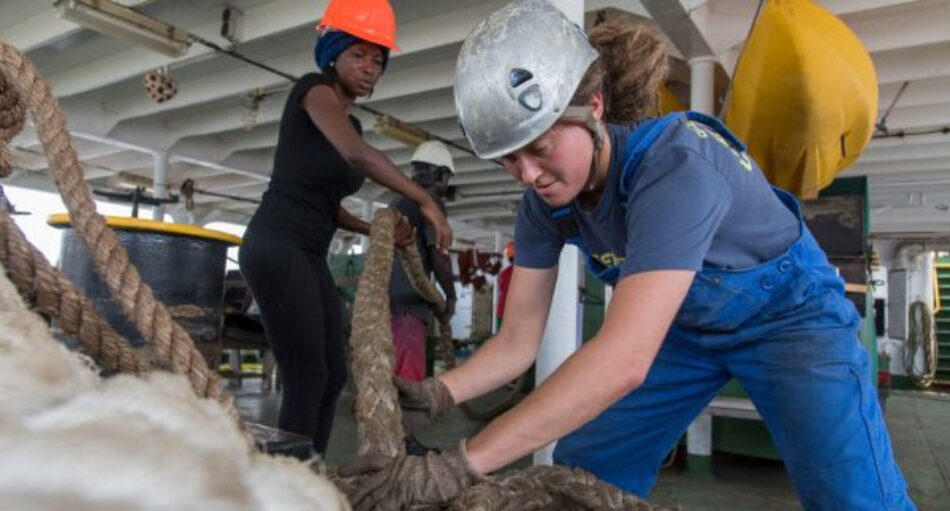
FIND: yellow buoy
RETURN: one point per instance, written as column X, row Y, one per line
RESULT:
column 804, row 96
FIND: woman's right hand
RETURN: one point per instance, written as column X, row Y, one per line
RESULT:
column 443, row 231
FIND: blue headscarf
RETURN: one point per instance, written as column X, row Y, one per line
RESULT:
column 332, row 43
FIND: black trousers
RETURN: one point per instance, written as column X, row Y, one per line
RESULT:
column 304, row 325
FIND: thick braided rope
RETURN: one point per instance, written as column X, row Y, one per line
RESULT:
column 548, row 487
column 419, row 278
column 169, row 341
column 378, row 416
column 53, row 295
column 12, row 116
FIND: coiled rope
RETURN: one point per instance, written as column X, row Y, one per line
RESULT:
column 921, row 337
column 23, row 89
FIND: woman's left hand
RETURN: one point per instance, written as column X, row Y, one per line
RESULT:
column 404, row 232
column 388, row 483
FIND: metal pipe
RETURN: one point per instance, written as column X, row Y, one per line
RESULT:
column 160, row 184
column 702, row 84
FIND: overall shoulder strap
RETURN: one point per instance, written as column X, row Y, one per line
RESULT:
column 563, row 218
column 717, row 126
column 638, row 143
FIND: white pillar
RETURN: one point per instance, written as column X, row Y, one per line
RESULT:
column 702, row 89
column 562, row 335
column 368, row 216
column 702, row 99
column 699, row 436
column 160, row 184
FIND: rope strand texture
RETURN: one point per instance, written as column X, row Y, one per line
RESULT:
column 12, row 117
column 170, row 343
column 53, row 295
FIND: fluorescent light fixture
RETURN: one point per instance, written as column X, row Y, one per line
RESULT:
column 399, row 131
column 121, row 22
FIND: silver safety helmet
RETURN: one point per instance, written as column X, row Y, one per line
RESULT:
column 516, row 74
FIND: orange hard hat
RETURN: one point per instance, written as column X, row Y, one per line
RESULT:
column 510, row 249
column 369, row 20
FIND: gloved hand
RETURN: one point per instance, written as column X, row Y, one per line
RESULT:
column 388, row 483
column 430, row 396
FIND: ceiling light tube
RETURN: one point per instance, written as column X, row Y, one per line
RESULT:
column 396, row 130
column 121, row 22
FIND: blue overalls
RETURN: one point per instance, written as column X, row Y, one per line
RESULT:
column 786, row 332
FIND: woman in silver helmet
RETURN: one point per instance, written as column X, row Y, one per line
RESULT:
column 716, row 277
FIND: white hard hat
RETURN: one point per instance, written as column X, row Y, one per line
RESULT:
column 516, row 74
column 435, row 153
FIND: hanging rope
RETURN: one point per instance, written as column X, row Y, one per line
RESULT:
column 170, row 343
column 12, row 116
column 379, row 418
column 921, row 337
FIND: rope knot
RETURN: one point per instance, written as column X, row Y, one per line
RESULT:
column 12, row 117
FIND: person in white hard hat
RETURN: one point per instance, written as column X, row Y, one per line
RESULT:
column 432, row 167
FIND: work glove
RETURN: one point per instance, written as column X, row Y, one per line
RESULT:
column 386, row 483
column 429, row 396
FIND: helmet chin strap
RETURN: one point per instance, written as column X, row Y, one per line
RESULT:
column 585, row 116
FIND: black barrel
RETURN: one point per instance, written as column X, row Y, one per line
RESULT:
column 183, row 264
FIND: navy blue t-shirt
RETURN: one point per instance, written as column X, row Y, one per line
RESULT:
column 693, row 200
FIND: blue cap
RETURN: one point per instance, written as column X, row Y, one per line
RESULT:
column 332, row 43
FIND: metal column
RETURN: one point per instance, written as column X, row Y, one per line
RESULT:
column 702, row 99
column 702, row 74
column 562, row 335
column 160, row 184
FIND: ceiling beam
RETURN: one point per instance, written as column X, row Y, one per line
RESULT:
column 927, row 164
column 845, row 7
column 919, row 63
column 267, row 19
column 921, row 116
column 931, row 24
column 917, row 93
column 914, row 152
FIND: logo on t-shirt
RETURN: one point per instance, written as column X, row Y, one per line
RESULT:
column 703, row 131
column 607, row 259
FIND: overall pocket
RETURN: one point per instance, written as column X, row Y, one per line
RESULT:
column 711, row 305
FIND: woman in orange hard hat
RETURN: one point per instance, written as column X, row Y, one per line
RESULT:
column 320, row 159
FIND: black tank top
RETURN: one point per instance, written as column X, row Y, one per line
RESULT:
column 309, row 178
